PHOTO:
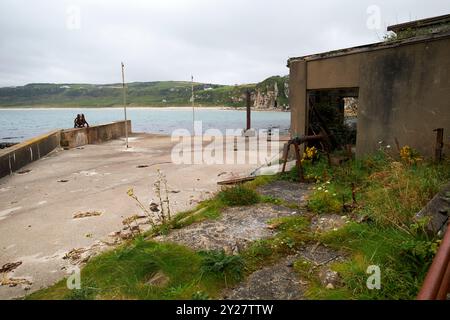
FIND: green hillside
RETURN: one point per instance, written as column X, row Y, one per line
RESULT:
column 158, row 94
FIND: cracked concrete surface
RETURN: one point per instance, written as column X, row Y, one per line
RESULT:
column 232, row 232
column 281, row 282
column 291, row 192
column 36, row 209
column 277, row 282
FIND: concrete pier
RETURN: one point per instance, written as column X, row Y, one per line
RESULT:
column 19, row 155
column 37, row 206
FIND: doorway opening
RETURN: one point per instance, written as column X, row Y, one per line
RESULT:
column 334, row 112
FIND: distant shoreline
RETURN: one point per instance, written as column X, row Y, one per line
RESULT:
column 21, row 108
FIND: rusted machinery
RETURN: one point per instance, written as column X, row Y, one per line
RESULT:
column 297, row 142
column 437, row 281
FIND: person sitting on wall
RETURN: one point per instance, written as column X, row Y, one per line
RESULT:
column 83, row 121
column 77, row 122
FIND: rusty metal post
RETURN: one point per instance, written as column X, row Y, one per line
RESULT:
column 249, row 110
column 445, row 286
column 299, row 163
column 435, row 285
column 439, row 144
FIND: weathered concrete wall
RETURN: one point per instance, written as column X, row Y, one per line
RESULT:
column 404, row 92
column 15, row 157
column 73, row 138
column 332, row 73
column 297, row 98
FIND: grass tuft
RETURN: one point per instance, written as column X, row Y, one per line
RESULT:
column 239, row 195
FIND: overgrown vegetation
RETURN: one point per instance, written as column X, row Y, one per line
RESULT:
column 218, row 264
column 239, row 195
column 416, row 32
column 292, row 233
column 380, row 195
column 125, row 272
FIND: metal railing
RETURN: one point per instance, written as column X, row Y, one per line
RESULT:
column 437, row 281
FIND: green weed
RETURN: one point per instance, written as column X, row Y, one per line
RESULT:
column 239, row 195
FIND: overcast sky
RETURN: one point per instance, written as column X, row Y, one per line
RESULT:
column 219, row 41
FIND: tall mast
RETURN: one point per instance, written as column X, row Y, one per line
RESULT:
column 193, row 104
column 125, row 104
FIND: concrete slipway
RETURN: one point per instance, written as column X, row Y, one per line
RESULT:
column 37, row 204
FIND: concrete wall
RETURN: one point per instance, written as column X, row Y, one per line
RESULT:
column 73, row 138
column 15, row 157
column 297, row 98
column 404, row 92
column 338, row 72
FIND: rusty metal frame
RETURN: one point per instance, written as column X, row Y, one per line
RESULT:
column 437, row 281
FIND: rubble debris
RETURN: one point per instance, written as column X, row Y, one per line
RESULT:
column 76, row 255
column 80, row 215
column 114, row 234
column 8, row 267
column 130, row 220
column 24, row 171
column 126, row 235
column 437, row 211
column 14, row 282
column 235, row 181
column 154, row 207
column 328, row 278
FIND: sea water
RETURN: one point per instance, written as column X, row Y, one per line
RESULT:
column 17, row 125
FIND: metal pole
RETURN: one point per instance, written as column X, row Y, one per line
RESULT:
column 439, row 144
column 125, row 105
column 249, row 110
column 193, row 101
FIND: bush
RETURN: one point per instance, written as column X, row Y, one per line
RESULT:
column 239, row 196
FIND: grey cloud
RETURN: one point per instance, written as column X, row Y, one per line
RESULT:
column 220, row 41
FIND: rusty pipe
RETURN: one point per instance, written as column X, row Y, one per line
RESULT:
column 436, row 280
column 445, row 285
